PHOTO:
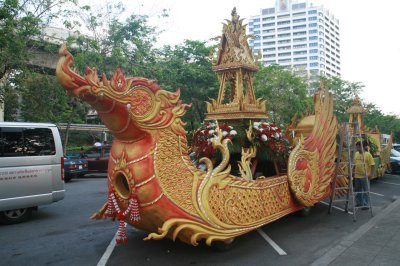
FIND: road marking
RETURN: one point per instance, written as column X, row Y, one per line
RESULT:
column 376, row 194
column 396, row 184
column 335, row 207
column 271, row 242
column 108, row 252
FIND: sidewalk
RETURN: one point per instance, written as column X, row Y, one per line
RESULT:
column 375, row 243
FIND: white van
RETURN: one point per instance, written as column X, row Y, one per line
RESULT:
column 31, row 168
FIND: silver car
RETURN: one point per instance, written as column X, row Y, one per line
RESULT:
column 31, row 169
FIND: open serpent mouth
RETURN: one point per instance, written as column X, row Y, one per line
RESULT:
column 121, row 186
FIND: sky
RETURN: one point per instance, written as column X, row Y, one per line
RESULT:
column 369, row 36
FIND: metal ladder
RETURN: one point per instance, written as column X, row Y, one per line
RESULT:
column 342, row 184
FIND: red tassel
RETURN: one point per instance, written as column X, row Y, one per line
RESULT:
column 121, row 234
column 121, row 216
column 110, row 207
column 134, row 211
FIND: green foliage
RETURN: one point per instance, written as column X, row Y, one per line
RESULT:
column 343, row 94
column 188, row 67
column 286, row 93
column 16, row 28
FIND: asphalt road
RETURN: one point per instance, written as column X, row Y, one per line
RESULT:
column 63, row 234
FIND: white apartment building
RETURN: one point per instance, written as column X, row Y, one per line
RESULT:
column 297, row 35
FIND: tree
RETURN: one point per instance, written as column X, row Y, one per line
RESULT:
column 344, row 94
column 44, row 100
column 286, row 93
column 188, row 67
column 111, row 42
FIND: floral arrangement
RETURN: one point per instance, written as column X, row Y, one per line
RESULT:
column 270, row 137
column 203, row 137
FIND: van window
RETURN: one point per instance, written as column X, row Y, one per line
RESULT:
column 19, row 141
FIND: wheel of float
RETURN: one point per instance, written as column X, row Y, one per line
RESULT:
column 15, row 216
column 224, row 245
column 304, row 212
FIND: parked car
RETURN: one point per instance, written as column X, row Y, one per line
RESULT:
column 394, row 162
column 74, row 167
column 97, row 158
column 396, row 147
column 31, row 169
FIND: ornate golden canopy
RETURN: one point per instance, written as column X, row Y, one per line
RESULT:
column 356, row 112
column 235, row 68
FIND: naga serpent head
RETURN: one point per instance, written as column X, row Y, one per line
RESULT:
column 127, row 105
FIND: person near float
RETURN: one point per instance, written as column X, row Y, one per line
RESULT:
column 360, row 182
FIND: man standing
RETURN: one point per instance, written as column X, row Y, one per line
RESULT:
column 361, row 183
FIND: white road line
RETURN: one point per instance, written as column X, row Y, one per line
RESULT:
column 396, row 184
column 271, row 242
column 108, row 252
column 376, row 194
column 335, row 207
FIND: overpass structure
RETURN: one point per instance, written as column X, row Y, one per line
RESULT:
column 82, row 127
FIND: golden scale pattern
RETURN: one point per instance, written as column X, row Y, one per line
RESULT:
column 174, row 176
column 241, row 206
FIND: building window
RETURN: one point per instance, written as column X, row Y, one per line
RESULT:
column 269, row 43
column 314, row 57
column 300, row 59
column 283, row 35
column 256, row 44
column 313, row 51
column 310, row 12
column 284, row 47
column 284, row 29
column 268, row 18
column 312, row 38
column 256, row 32
column 312, row 18
column 300, row 40
column 299, row 46
column 299, row 33
column 283, row 16
column 268, row 31
column 268, row 37
column 312, row 25
column 285, row 54
column 300, row 52
column 299, row 27
column 284, row 60
column 268, row 55
column 284, row 41
column 299, row 14
column 313, row 64
column 269, row 49
column 283, row 22
column 270, row 62
column 299, row 20
column 256, row 26
column 313, row 44
column 269, row 24
column 256, row 20
column 312, row 31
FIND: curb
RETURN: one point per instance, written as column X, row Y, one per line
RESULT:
column 349, row 240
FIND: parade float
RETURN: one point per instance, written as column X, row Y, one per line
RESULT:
column 153, row 183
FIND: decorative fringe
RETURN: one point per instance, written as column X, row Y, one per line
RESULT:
column 133, row 210
column 121, row 234
column 111, row 210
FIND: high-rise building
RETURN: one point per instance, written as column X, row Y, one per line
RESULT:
column 297, row 35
